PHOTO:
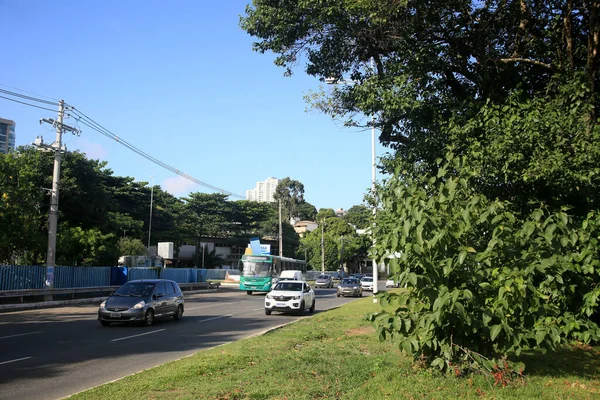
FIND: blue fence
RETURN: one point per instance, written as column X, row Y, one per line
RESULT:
column 33, row 277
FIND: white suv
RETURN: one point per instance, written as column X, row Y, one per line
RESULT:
column 290, row 296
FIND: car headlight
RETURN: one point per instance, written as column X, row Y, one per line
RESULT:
column 355, row 287
column 103, row 305
column 139, row 305
column 296, row 297
column 269, row 296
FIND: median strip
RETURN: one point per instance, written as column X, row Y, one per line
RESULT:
column 141, row 334
column 12, row 361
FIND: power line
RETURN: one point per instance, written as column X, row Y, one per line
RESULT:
column 8, row 92
column 25, row 91
column 27, row 104
column 84, row 119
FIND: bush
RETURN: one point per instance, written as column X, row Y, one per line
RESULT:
column 482, row 282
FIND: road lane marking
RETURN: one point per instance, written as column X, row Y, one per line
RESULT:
column 20, row 334
column 257, row 309
column 141, row 334
column 12, row 361
column 210, row 319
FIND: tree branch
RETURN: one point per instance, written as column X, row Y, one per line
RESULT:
column 526, row 60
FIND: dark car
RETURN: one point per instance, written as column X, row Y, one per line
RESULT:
column 142, row 301
column 349, row 287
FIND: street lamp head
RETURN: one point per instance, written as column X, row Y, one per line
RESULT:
column 330, row 80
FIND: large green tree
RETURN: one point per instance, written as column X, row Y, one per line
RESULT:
column 510, row 89
column 291, row 194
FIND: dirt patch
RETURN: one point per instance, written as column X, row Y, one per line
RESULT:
column 363, row 330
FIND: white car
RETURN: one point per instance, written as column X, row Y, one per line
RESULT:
column 290, row 296
column 367, row 283
column 391, row 283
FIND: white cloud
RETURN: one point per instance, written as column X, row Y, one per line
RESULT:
column 178, row 185
column 93, row 151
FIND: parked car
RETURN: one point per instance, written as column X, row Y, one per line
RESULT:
column 324, row 280
column 391, row 283
column 349, row 287
column 367, row 283
column 357, row 276
column 290, row 296
column 143, row 301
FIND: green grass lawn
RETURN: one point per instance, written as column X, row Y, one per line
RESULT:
column 336, row 355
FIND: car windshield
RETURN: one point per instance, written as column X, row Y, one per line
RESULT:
column 349, row 282
column 323, row 277
column 135, row 289
column 367, row 279
column 289, row 286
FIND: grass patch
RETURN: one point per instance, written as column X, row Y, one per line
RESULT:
column 336, row 355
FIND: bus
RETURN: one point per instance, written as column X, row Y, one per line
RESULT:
column 259, row 271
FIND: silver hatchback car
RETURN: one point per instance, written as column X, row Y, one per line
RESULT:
column 142, row 301
column 324, row 280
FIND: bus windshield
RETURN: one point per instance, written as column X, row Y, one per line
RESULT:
column 258, row 269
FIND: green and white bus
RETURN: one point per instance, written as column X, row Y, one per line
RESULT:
column 259, row 271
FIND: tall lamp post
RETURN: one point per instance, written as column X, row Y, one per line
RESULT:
column 333, row 81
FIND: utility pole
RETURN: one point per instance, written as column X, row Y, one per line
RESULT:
column 322, row 245
column 373, row 184
column 342, row 252
column 58, row 148
column 150, row 221
column 280, row 232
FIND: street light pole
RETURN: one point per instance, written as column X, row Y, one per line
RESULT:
column 373, row 182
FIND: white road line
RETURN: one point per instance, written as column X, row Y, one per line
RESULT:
column 257, row 309
column 141, row 334
column 20, row 334
column 12, row 361
column 210, row 319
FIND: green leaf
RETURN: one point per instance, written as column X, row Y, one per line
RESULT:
column 495, row 331
column 461, row 256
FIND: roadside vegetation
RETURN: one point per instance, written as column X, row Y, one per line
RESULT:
column 335, row 355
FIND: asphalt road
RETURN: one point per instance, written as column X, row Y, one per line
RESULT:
column 53, row 353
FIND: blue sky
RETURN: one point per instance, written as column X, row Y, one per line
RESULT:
column 180, row 81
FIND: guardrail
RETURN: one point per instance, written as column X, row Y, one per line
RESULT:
column 35, row 295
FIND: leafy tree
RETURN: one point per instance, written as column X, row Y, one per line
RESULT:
column 23, row 207
column 306, row 212
column 291, row 194
column 340, row 241
column 359, row 216
column 131, row 247
column 510, row 89
column 210, row 214
column 325, row 213
column 78, row 246
column 481, row 283
column 248, row 216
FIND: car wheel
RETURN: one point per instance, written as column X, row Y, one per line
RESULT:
column 104, row 323
column 248, row 291
column 267, row 311
column 338, row 295
column 149, row 317
column 312, row 308
column 360, row 294
column 301, row 309
column 178, row 313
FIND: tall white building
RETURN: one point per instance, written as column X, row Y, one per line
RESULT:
column 7, row 135
column 264, row 191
